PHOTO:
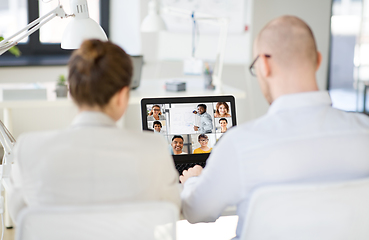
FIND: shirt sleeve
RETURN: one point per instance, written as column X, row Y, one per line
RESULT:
column 206, row 196
column 206, row 123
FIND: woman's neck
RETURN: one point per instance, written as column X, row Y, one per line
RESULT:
column 205, row 148
column 96, row 108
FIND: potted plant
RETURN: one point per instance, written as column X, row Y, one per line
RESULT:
column 61, row 87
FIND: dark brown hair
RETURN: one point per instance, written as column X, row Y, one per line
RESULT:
column 202, row 136
column 97, row 71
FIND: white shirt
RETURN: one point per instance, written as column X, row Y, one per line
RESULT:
column 301, row 139
column 91, row 162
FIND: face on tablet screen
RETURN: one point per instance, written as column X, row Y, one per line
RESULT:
column 190, row 128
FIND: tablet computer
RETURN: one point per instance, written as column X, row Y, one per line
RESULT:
column 191, row 125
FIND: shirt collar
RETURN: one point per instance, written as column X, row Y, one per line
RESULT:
column 93, row 118
column 300, row 100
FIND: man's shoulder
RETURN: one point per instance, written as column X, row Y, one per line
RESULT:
column 353, row 118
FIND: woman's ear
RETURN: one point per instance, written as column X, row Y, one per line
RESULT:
column 123, row 96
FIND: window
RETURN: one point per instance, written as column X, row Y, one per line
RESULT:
column 43, row 47
column 345, row 27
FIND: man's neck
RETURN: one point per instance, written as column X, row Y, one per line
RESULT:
column 293, row 84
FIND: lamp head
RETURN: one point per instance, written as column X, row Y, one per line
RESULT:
column 81, row 27
column 153, row 22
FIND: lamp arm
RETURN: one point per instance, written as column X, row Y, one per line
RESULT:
column 8, row 43
column 6, row 140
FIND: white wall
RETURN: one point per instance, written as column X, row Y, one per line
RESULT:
column 165, row 60
column 125, row 25
column 316, row 13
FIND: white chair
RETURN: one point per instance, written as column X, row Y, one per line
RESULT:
column 136, row 221
column 315, row 212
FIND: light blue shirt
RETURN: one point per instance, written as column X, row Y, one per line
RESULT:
column 206, row 123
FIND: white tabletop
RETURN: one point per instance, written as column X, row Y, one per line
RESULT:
column 147, row 89
column 194, row 87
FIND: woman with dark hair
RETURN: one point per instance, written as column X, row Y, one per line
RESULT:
column 223, row 122
column 222, row 110
column 92, row 161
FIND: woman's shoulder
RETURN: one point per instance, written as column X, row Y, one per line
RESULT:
column 197, row 150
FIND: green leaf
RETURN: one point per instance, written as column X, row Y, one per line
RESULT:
column 61, row 80
column 15, row 51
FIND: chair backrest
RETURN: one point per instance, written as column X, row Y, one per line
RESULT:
column 317, row 211
column 142, row 220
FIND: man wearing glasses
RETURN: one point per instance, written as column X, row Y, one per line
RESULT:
column 301, row 138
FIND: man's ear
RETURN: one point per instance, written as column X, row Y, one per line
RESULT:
column 319, row 60
column 265, row 69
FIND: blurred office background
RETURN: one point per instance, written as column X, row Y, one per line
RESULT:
column 164, row 52
column 338, row 25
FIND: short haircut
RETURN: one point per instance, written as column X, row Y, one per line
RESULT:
column 223, row 119
column 202, row 105
column 290, row 41
column 97, row 71
column 157, row 123
column 219, row 104
column 177, row 136
column 202, row 136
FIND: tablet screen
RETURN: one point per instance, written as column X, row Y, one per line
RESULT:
column 189, row 128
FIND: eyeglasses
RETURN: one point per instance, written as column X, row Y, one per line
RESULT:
column 252, row 66
column 156, row 110
column 203, row 140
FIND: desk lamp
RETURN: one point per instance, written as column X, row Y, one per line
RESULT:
column 153, row 22
column 8, row 141
column 81, row 27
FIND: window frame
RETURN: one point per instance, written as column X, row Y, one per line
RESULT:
column 35, row 53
